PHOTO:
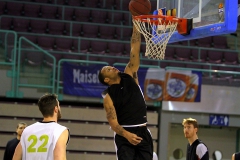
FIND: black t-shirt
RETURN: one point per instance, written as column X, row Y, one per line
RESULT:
column 10, row 149
column 192, row 151
column 128, row 101
column 237, row 156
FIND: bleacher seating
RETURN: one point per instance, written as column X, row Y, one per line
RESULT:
column 74, row 13
column 92, row 3
column 169, row 53
column 21, row 25
column 76, row 30
column 164, row 64
column 110, row 58
column 215, row 56
column 50, row 12
column 57, row 28
column 220, row 42
column 68, row 27
column 64, row 44
column 208, row 76
column 8, row 23
column 32, row 38
column 115, row 18
column 230, row 58
column 98, row 47
column 90, row 31
column 12, row 8
column 123, row 33
column 84, row 45
column 108, row 4
column 192, row 42
column 195, row 66
column 31, row 10
column 127, row 19
column 71, row 56
column 51, row 30
column 99, row 16
column 49, row 61
column 74, row 2
column 90, row 133
column 34, row 58
column 183, row 54
column 82, row 15
column 107, row 32
column 199, row 55
column 38, row 26
column 47, row 43
column 115, row 48
column 205, row 42
column 2, row 7
column 224, row 76
column 177, row 64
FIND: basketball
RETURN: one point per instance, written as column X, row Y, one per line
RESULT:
column 139, row 7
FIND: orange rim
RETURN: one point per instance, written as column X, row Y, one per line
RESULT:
column 154, row 19
column 184, row 26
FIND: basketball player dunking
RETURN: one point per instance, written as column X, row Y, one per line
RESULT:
column 125, row 107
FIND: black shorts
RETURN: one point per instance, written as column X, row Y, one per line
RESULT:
column 142, row 151
column 237, row 156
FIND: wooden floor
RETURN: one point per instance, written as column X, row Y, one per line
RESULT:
column 90, row 136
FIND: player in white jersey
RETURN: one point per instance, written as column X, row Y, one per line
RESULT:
column 45, row 140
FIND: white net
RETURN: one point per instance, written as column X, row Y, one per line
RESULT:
column 156, row 36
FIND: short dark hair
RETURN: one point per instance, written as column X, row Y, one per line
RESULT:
column 101, row 78
column 47, row 103
column 190, row 121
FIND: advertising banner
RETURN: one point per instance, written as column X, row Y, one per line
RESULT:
column 157, row 84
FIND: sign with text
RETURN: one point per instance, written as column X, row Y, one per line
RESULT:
column 82, row 80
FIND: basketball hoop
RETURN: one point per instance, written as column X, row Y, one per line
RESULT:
column 157, row 30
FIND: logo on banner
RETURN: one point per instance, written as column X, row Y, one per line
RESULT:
column 172, row 85
column 82, row 80
column 85, row 76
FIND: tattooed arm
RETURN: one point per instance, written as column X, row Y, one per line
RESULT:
column 133, row 64
column 113, row 122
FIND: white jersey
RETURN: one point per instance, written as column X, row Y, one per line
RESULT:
column 39, row 140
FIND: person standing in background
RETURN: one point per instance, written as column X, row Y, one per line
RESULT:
column 46, row 139
column 12, row 144
column 196, row 149
column 236, row 156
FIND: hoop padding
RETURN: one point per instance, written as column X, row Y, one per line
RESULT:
column 157, row 30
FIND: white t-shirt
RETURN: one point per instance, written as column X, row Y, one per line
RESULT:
column 201, row 150
column 39, row 140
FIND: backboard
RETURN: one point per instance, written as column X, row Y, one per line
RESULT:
column 210, row 17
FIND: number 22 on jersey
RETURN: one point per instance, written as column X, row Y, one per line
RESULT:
column 35, row 140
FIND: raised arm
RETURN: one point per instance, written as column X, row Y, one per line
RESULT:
column 133, row 64
column 113, row 122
